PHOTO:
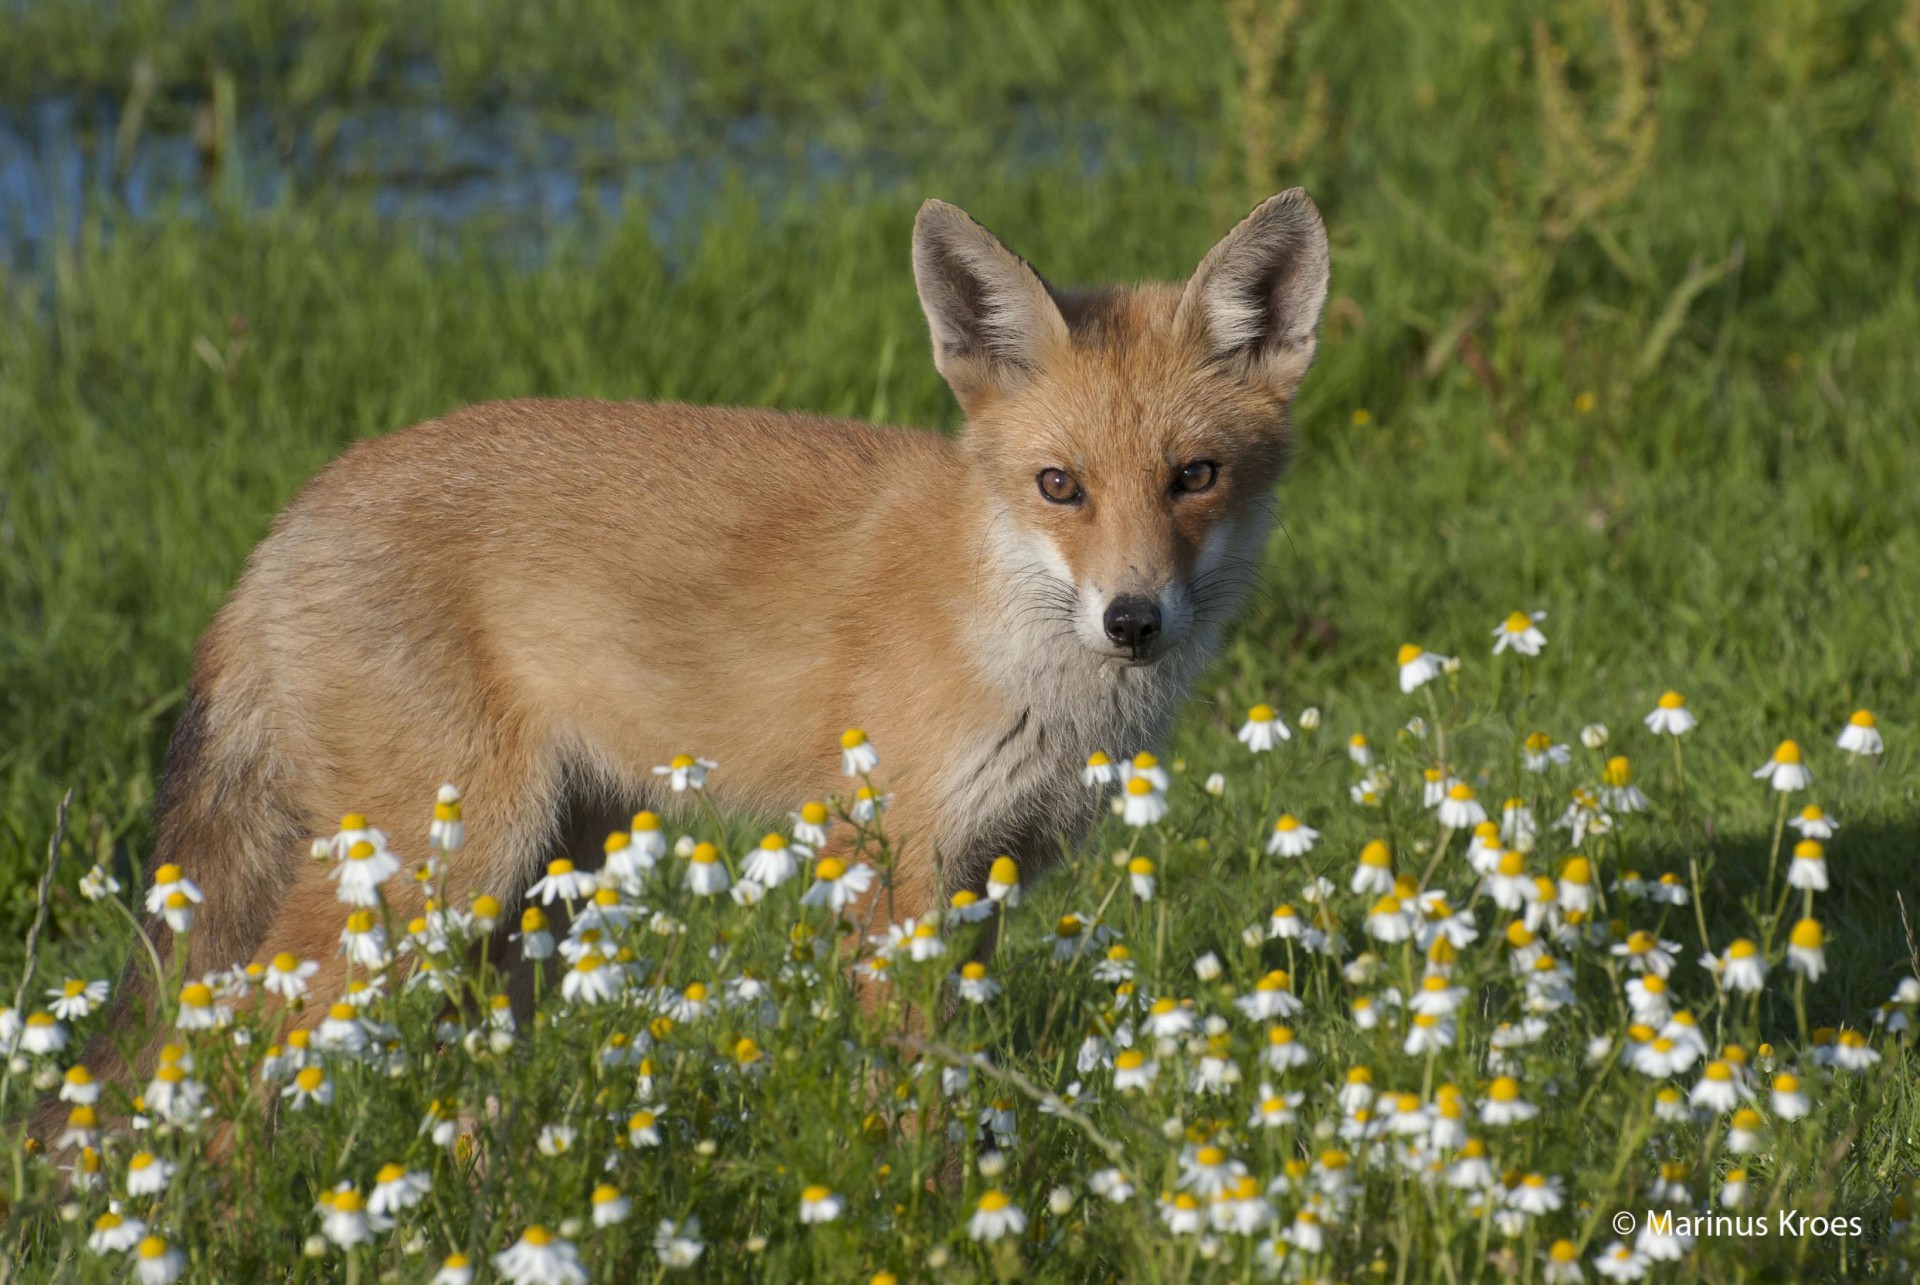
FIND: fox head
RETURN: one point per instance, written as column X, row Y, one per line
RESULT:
column 1128, row 440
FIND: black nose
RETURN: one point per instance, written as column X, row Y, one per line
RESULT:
column 1133, row 622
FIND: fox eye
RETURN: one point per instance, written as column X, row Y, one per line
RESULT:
column 1197, row 476
column 1058, row 486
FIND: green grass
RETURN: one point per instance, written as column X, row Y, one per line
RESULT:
column 1733, row 515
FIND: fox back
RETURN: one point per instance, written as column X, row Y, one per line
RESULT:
column 543, row 601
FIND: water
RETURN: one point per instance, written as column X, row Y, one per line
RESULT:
column 526, row 173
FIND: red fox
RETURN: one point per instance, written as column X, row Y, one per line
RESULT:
column 543, row 600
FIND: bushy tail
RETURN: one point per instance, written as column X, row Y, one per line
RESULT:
column 221, row 820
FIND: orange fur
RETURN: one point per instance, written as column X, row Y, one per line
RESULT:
column 540, row 600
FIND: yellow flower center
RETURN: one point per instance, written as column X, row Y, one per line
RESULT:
column 1719, row 1072
column 1260, row 714
column 1140, row 866
column 704, row 854
column 1672, row 700
column 1004, row 871
column 178, row 901
column 1409, row 652
column 1460, row 791
column 1519, row 622
column 1789, row 752
column 1376, row 854
column 151, row 1247
column 973, row 971
column 1209, row 1156
column 1139, row 786
column 1618, row 771
column 1505, row 1089
column 994, row 1201
column 829, row 869
column 533, row 920
column 1511, row 864
column 310, row 1079
column 852, row 739
column 1862, row 718
column 1280, row 1035
column 1578, row 870
column 196, row 995
column 1098, row 759
column 1808, row 935
column 537, row 1235
column 1742, row 949
column 1069, row 926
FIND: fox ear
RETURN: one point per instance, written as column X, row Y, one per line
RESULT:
column 1255, row 299
column 992, row 317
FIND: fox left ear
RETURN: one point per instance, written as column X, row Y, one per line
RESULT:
column 992, row 317
column 1255, row 300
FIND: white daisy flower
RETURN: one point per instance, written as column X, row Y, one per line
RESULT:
column 168, row 880
column 1143, row 804
column 772, row 863
column 836, row 885
column 996, row 1216
column 1814, row 823
column 1521, row 633
column 1538, row 753
column 610, row 1208
column 155, row 1262
column 683, row 773
column 540, row 1258
column 1861, row 735
column 1670, row 716
column 1291, row 837
column 819, row 1204
column 1460, row 810
column 1263, row 729
column 1787, row 770
column 678, row 1244
column 76, row 998
column 360, row 873
column 1418, row 667
column 706, row 873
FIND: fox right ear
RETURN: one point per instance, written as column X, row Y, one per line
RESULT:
column 992, row 317
column 1255, row 299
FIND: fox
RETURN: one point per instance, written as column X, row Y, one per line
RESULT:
column 544, row 600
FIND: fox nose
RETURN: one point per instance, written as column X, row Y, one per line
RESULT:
column 1133, row 622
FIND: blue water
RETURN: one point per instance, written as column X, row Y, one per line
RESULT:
column 525, row 173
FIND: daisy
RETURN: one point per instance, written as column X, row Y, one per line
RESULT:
column 364, row 940
column 1583, row 816
column 1786, row 770
column 147, row 1174
column 592, row 981
column 1428, row 1032
column 1272, row 996
column 609, row 1206
column 310, row 1087
column 1099, row 771
column 1743, row 1131
column 1733, row 1192
column 361, row 872
column 343, row 1217
column 1646, row 953
column 836, row 884
column 1537, row 1194
column 178, row 911
column 973, row 983
column 562, row 883
column 155, row 1262
column 1140, row 872
column 168, row 880
column 447, row 832
column 1540, row 754
column 677, row 1244
column 857, row 755
column 1436, row 784
column 1273, row 1108
column 1144, row 805
column 1306, row 1234
column 199, row 1011
column 643, row 1128
column 540, row 1258
column 1284, row 1051
column 98, row 883
column 1670, row 716
column 868, row 804
column 115, row 1233
column 1621, row 1262
column 819, row 1205
column 1594, row 736
column 1388, row 922
column 1471, row 1170
column 967, row 907
column 1112, row 1185
column 1574, row 892
column 1621, row 794
column 683, row 773
column 1814, row 823
column 1852, row 1053
column 1807, row 949
column 1510, row 886
column 1285, row 924
column 1168, row 1019
column 1809, row 867
column 1717, row 1090
column 1861, row 735
column 1291, row 837
column 1182, row 1214
column 79, row 1087
column 1208, row 1171
column 1742, row 967
column 1374, row 875
column 1417, row 667
column 1520, row 632
column 1132, row 1070
column 1790, row 1101
column 706, row 873
column 1517, row 823
column 1503, row 1104
column 1648, row 1000
column 286, row 976
column 1263, row 729
column 1560, row 1264
column 1460, row 810
column 76, row 998
column 1147, row 765
column 1359, row 751
column 996, row 1216
column 1003, row 881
